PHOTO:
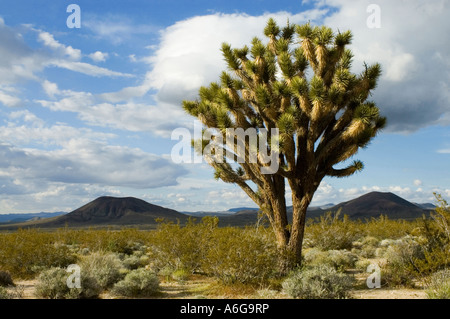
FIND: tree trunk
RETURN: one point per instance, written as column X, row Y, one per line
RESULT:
column 300, row 203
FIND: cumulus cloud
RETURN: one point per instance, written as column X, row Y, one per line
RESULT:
column 412, row 91
column 188, row 55
column 98, row 56
column 158, row 119
column 10, row 100
column 88, row 162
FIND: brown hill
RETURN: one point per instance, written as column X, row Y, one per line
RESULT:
column 375, row 204
column 114, row 211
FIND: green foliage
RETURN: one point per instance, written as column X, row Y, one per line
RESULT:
column 26, row 252
column 230, row 254
column 182, row 247
column 104, row 267
column 246, row 256
column 320, row 282
column 401, row 262
column 180, row 275
column 52, row 284
column 135, row 261
column 384, row 228
column 332, row 232
column 137, row 283
column 435, row 241
column 338, row 259
column 439, row 285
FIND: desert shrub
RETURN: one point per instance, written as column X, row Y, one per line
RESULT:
column 368, row 251
column 242, row 255
column 180, row 247
column 439, row 285
column 362, row 264
column 180, row 275
column 320, row 282
column 338, row 259
column 342, row 259
column 137, row 283
column 366, row 247
column 5, row 279
column 315, row 256
column 52, row 284
column 383, row 227
column 166, row 272
column 4, row 294
column 401, row 262
column 135, row 261
column 435, row 240
column 118, row 241
column 25, row 252
column 332, row 232
column 370, row 241
column 104, row 267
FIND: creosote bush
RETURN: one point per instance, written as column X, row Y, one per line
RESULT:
column 25, row 252
column 230, row 254
column 137, row 283
column 439, row 285
column 179, row 247
column 246, row 256
column 331, row 231
column 319, row 282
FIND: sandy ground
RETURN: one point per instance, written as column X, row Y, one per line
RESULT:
column 197, row 289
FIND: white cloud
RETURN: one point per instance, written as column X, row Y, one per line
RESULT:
column 98, row 56
column 82, row 161
column 50, row 88
column 86, row 68
column 413, row 56
column 9, row 100
column 158, row 119
column 189, row 56
column 116, row 28
column 17, row 60
column 50, row 42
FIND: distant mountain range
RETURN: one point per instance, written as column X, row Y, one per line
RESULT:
column 18, row 218
column 130, row 211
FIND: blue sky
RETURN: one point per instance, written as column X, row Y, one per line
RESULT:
column 89, row 111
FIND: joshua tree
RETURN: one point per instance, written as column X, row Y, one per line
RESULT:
column 323, row 117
